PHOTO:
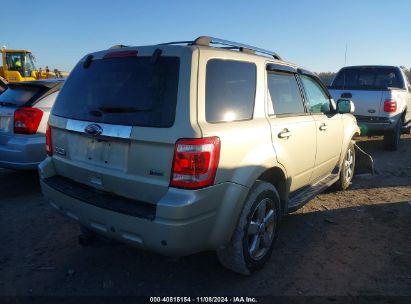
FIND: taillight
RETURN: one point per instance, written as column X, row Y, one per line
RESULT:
column 390, row 105
column 49, row 143
column 27, row 120
column 195, row 162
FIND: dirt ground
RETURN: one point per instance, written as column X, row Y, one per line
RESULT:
column 356, row 242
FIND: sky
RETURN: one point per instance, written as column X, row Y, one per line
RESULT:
column 311, row 33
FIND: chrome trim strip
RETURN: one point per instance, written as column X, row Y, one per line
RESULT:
column 117, row 131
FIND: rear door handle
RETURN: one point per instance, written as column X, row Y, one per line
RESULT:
column 323, row 127
column 284, row 134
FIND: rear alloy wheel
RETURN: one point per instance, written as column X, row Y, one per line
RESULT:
column 347, row 169
column 253, row 239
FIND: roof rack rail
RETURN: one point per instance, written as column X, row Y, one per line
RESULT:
column 208, row 41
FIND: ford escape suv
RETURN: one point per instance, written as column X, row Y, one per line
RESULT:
column 190, row 146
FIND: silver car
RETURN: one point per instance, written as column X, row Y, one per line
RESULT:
column 24, row 111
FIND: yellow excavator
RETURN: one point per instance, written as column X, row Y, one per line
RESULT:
column 18, row 65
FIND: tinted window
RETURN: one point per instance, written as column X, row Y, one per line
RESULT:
column 230, row 90
column 17, row 96
column 318, row 99
column 284, row 93
column 125, row 91
column 368, row 78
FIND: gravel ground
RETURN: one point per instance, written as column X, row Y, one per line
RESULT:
column 356, row 242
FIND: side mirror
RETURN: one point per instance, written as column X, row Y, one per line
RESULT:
column 345, row 106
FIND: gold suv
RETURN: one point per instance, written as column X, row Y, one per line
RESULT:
column 195, row 145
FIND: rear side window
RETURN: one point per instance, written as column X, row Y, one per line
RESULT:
column 230, row 90
column 17, row 96
column 284, row 93
column 125, row 91
column 368, row 78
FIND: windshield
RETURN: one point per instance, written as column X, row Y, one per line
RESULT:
column 22, row 62
column 126, row 91
column 17, row 96
column 379, row 78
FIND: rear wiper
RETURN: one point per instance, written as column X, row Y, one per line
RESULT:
column 6, row 104
column 122, row 110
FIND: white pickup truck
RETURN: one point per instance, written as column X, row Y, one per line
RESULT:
column 382, row 99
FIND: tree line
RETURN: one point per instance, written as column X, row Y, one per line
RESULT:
column 327, row 77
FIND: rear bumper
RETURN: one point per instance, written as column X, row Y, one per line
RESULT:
column 185, row 221
column 375, row 125
column 22, row 153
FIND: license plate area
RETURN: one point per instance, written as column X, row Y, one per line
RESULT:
column 98, row 151
column 108, row 153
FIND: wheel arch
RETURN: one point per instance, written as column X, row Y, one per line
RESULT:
column 278, row 178
column 351, row 130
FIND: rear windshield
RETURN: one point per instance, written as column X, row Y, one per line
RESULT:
column 17, row 96
column 377, row 78
column 131, row 91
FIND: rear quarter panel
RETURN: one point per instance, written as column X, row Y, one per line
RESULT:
column 45, row 105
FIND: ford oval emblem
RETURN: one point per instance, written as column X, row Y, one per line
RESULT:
column 93, row 129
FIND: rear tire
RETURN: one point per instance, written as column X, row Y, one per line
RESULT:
column 347, row 169
column 392, row 138
column 253, row 239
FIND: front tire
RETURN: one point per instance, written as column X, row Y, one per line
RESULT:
column 347, row 169
column 253, row 239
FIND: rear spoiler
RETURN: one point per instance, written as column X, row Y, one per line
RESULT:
column 36, row 84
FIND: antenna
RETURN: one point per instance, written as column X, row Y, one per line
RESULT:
column 345, row 62
column 345, row 56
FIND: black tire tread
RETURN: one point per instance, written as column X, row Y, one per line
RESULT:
column 232, row 256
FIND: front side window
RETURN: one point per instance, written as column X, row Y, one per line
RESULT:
column 284, row 93
column 318, row 99
column 230, row 90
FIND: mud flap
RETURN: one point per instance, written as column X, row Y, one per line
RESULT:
column 364, row 164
